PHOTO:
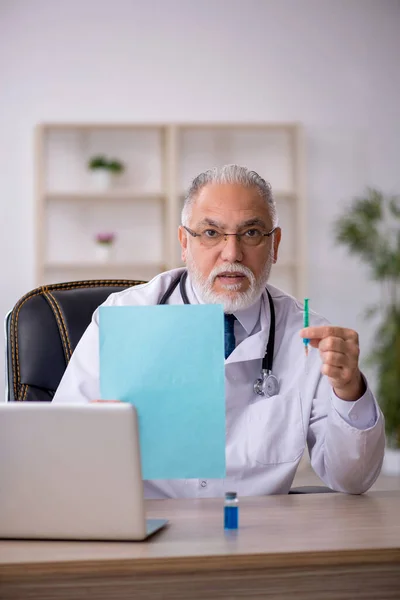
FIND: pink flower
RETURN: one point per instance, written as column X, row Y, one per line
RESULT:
column 105, row 238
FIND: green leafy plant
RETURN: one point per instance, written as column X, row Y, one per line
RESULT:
column 371, row 230
column 102, row 162
column 115, row 166
column 98, row 162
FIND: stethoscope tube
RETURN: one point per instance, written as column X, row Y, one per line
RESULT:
column 267, row 384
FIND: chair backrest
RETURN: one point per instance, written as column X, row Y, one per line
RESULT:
column 43, row 330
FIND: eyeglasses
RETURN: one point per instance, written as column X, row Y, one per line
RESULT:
column 211, row 237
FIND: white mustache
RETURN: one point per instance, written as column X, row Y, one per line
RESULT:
column 231, row 268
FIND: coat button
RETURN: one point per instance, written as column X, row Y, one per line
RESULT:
column 203, row 484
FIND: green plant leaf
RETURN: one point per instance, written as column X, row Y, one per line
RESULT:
column 116, row 166
column 98, row 162
column 364, row 229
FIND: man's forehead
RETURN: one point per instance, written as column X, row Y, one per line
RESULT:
column 222, row 191
column 230, row 202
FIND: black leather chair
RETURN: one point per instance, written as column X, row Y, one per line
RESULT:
column 43, row 330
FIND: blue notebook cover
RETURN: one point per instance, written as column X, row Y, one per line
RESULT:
column 169, row 362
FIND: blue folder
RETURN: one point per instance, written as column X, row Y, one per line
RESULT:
column 169, row 362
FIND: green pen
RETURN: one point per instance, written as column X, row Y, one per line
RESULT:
column 306, row 318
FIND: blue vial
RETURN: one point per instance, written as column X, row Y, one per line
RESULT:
column 231, row 511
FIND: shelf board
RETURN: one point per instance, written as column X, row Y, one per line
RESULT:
column 111, row 195
column 280, row 264
column 87, row 126
column 82, row 266
column 277, row 194
column 264, row 126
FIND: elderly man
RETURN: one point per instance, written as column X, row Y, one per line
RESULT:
column 230, row 238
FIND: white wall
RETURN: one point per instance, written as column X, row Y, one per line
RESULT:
column 332, row 65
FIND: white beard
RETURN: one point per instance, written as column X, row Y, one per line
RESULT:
column 230, row 302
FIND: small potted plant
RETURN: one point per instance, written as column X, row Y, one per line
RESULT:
column 104, row 246
column 104, row 171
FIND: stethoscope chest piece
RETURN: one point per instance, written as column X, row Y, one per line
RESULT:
column 267, row 385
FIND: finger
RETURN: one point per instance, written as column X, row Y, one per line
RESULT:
column 334, row 344
column 339, row 345
column 339, row 376
column 338, row 359
column 324, row 331
column 314, row 343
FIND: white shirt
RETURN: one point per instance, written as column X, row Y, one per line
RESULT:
column 265, row 437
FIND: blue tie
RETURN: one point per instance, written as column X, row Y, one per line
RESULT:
column 229, row 334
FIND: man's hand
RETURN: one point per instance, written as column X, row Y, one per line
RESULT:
column 339, row 352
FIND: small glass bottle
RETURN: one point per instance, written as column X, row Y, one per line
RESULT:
column 231, row 511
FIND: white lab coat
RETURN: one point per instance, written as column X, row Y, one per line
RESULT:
column 265, row 437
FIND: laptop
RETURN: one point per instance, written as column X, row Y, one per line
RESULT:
column 71, row 472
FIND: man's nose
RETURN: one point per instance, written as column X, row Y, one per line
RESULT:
column 231, row 250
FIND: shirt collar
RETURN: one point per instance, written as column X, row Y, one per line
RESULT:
column 247, row 317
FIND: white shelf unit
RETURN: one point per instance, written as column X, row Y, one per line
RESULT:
column 143, row 206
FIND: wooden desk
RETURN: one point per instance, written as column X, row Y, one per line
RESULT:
column 317, row 546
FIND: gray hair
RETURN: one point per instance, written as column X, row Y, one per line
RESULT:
column 229, row 174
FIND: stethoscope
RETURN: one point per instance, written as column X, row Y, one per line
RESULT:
column 267, row 384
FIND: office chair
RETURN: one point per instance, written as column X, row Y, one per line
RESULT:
column 42, row 331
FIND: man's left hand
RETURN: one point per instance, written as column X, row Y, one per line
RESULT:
column 339, row 350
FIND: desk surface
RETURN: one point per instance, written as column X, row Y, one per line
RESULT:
column 274, row 530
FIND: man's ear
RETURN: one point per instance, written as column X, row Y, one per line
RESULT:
column 182, row 235
column 277, row 240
